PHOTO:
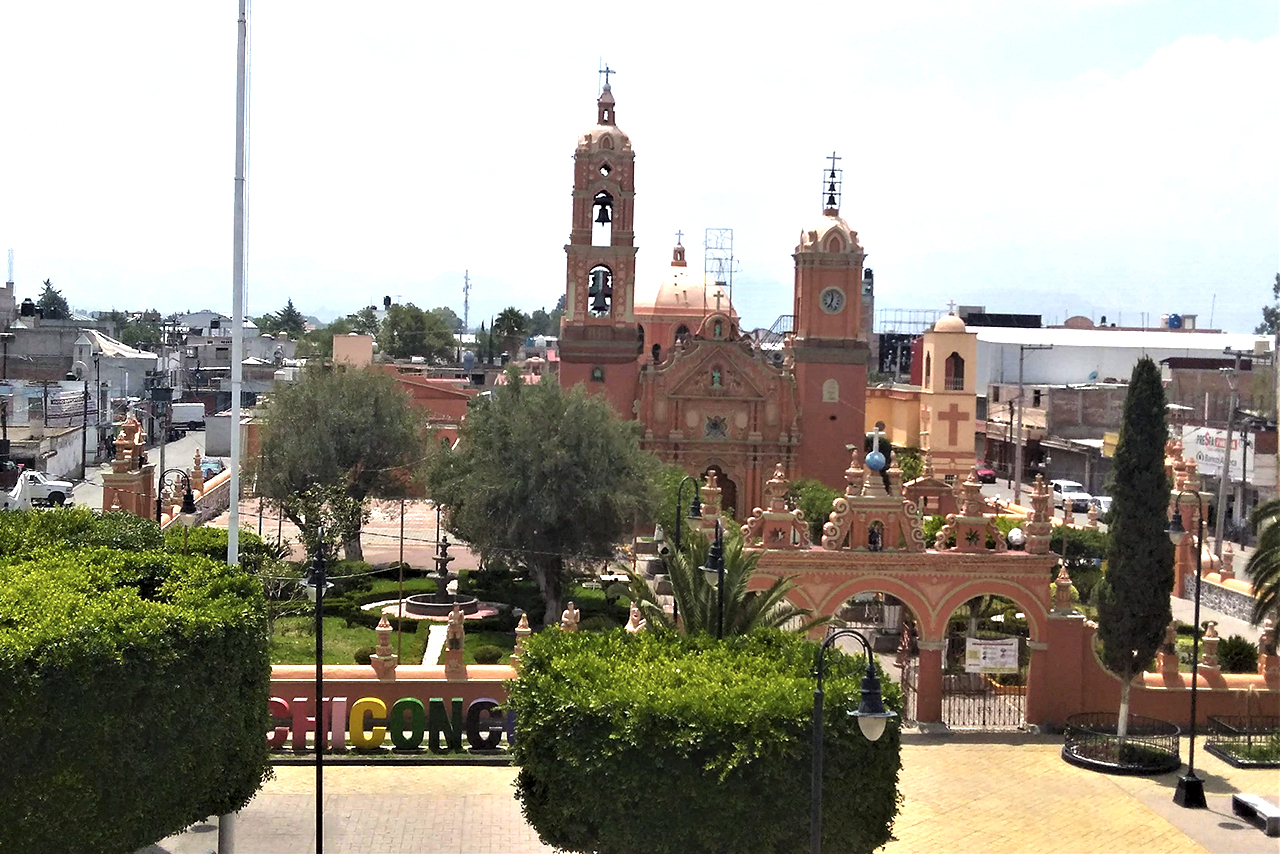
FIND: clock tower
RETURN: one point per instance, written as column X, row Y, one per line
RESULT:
column 829, row 346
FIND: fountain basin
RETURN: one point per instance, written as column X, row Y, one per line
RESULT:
column 428, row 605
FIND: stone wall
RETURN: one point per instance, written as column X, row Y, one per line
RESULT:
column 1216, row 597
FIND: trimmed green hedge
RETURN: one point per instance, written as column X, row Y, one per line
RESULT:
column 668, row 744
column 133, row 686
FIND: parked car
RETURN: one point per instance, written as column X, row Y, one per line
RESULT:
column 1070, row 492
column 210, row 467
column 1103, row 503
column 45, row 490
column 986, row 474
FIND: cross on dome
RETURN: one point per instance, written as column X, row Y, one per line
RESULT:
column 606, row 71
column 832, row 179
column 679, row 238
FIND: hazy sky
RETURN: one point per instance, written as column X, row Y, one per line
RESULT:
column 1054, row 157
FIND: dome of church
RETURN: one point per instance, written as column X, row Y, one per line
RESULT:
column 831, row 234
column 949, row 323
column 682, row 293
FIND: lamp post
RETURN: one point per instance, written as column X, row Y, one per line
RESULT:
column 187, row 516
column 695, row 512
column 316, row 585
column 871, row 714
column 715, row 566
column 1190, row 791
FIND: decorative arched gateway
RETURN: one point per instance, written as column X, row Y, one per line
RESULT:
column 874, row 542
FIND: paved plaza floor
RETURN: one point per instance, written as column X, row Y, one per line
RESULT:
column 988, row 794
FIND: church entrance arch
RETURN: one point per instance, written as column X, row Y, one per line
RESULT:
column 892, row 629
column 985, row 664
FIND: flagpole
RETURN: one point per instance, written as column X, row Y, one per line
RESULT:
column 237, row 279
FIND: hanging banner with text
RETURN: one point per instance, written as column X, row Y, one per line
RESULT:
column 991, row 656
column 1208, row 447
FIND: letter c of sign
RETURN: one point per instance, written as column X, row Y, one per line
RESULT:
column 370, row 706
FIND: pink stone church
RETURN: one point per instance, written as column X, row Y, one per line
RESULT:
column 708, row 397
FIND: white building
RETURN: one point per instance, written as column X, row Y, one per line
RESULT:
column 1092, row 355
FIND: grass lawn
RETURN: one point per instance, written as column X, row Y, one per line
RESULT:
column 502, row 640
column 295, row 642
column 389, row 586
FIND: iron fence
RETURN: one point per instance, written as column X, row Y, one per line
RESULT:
column 1150, row 745
column 1245, row 741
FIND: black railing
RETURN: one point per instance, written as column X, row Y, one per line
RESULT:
column 1150, row 745
column 1245, row 741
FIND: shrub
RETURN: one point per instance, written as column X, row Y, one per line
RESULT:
column 135, row 693
column 1237, row 654
column 598, row 623
column 488, row 654
column 708, row 743
column 364, row 655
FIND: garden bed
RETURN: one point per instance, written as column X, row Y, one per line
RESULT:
column 1150, row 747
column 1245, row 742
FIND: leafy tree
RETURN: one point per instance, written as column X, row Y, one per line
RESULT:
column 556, row 314
column 52, row 303
column 1133, row 596
column 1270, row 324
column 450, row 317
column 540, row 323
column 697, row 602
column 410, row 331
column 365, row 321
column 144, row 336
column 546, row 478
column 667, row 478
column 335, row 439
column 510, row 329
column 813, row 497
column 1264, row 564
column 289, row 321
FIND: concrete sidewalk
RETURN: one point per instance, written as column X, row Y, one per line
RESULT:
column 981, row 793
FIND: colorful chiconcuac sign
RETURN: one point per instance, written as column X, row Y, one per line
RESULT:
column 368, row 722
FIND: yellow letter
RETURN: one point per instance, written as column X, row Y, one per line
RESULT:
column 367, row 706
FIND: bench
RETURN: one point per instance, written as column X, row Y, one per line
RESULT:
column 1258, row 811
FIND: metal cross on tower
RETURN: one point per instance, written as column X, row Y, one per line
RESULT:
column 606, row 71
column 679, row 237
column 832, row 180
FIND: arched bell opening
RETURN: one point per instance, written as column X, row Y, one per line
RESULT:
column 602, row 219
column 600, row 290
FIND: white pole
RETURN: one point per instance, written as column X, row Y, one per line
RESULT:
column 237, row 280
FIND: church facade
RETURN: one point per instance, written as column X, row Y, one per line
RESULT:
column 708, row 397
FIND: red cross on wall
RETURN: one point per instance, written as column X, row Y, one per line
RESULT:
column 953, row 417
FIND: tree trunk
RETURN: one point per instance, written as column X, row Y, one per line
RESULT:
column 351, row 525
column 1122, row 725
column 352, row 548
column 550, row 580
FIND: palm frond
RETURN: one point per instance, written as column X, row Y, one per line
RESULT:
column 1264, row 564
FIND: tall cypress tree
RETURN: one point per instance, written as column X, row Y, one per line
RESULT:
column 1133, row 598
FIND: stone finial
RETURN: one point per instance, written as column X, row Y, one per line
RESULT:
column 1093, row 516
column 384, row 661
column 1167, row 656
column 854, row 475
column 928, row 467
column 1209, row 658
column 1062, row 591
column 1228, row 562
column 775, row 489
column 569, row 619
column 636, row 623
column 711, row 496
column 1068, row 514
column 1170, row 643
column 522, row 631
column 1267, row 641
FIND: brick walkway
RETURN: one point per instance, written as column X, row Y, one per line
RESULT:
column 965, row 793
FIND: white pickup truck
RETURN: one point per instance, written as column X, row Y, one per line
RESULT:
column 42, row 489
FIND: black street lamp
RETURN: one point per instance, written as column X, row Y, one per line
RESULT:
column 316, row 585
column 715, row 566
column 1190, row 791
column 187, row 516
column 695, row 507
column 871, row 714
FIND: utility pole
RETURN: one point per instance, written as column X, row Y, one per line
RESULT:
column 84, row 435
column 1224, row 477
column 1017, row 458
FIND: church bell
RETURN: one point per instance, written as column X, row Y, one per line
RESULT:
column 603, row 217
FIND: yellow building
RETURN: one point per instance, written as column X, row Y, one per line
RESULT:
column 948, row 396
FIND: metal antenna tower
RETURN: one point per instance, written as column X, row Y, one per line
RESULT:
column 466, row 301
column 10, row 279
column 717, row 260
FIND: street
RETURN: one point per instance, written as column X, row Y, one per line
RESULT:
column 179, row 454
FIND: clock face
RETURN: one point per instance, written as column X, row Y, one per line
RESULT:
column 831, row 300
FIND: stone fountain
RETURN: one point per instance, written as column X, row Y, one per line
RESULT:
column 442, row 602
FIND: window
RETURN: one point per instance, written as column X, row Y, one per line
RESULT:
column 717, row 427
column 1035, row 397
column 682, row 333
column 717, row 330
column 928, row 369
column 995, row 394
column 954, row 367
column 657, row 353
column 597, row 374
column 875, row 536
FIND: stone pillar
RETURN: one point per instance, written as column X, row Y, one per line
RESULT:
column 384, row 661
column 1039, row 683
column 929, row 683
column 1168, row 654
column 1054, row 689
column 1227, row 570
column 1062, row 591
column 1209, row 646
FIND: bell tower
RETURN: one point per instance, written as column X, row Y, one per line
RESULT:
column 599, row 337
column 829, row 346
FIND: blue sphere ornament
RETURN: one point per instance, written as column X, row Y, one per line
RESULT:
column 875, row 461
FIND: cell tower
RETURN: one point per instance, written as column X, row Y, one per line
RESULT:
column 10, row 279
column 466, row 301
column 717, row 258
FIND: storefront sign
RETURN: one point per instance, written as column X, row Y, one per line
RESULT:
column 1208, row 446
column 370, row 725
column 991, row 656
